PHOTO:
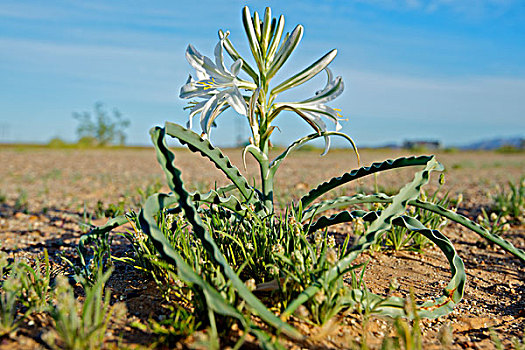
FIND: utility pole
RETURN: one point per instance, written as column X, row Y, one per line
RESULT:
column 239, row 132
column 4, row 132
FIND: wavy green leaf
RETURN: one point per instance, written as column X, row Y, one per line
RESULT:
column 225, row 189
column 166, row 158
column 274, row 165
column 197, row 144
column 339, row 218
column 361, row 172
column 345, row 201
column 395, row 306
column 342, row 202
column 376, row 229
column 213, row 197
column 153, row 206
column 460, row 219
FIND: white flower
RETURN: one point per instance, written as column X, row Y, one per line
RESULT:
column 314, row 108
column 217, row 86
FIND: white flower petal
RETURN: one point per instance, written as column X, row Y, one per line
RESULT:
column 201, row 74
column 208, row 110
column 236, row 67
column 320, row 123
column 196, row 60
column 194, row 110
column 219, row 60
column 236, row 101
column 211, row 68
column 333, row 89
column 316, row 119
column 216, row 85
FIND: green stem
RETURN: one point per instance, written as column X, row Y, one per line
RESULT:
column 266, row 177
column 264, row 146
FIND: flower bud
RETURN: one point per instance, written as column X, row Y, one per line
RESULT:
column 320, row 297
column 394, row 284
column 331, row 256
column 331, row 241
column 250, row 284
column 278, row 248
column 301, row 311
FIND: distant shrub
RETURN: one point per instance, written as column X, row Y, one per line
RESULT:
column 57, row 142
column 418, row 149
column 309, row 148
column 509, row 149
column 101, row 127
column 87, row 142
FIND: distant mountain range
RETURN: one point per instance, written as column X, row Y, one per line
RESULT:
column 495, row 143
column 490, row 144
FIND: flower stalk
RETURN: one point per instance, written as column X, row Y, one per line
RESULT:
column 219, row 88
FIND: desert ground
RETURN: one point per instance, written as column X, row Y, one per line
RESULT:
column 49, row 195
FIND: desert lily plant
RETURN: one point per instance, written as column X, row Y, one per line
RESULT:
column 218, row 89
column 249, row 91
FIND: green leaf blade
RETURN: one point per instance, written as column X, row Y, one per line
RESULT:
column 166, row 157
column 377, row 228
column 196, row 144
column 361, row 172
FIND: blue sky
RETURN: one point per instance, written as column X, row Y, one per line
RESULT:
column 452, row 70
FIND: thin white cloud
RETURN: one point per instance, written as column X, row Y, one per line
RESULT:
column 474, row 99
column 134, row 58
column 469, row 8
column 472, row 9
column 138, row 74
column 21, row 11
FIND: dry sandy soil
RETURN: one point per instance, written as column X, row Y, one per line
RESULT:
column 46, row 193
